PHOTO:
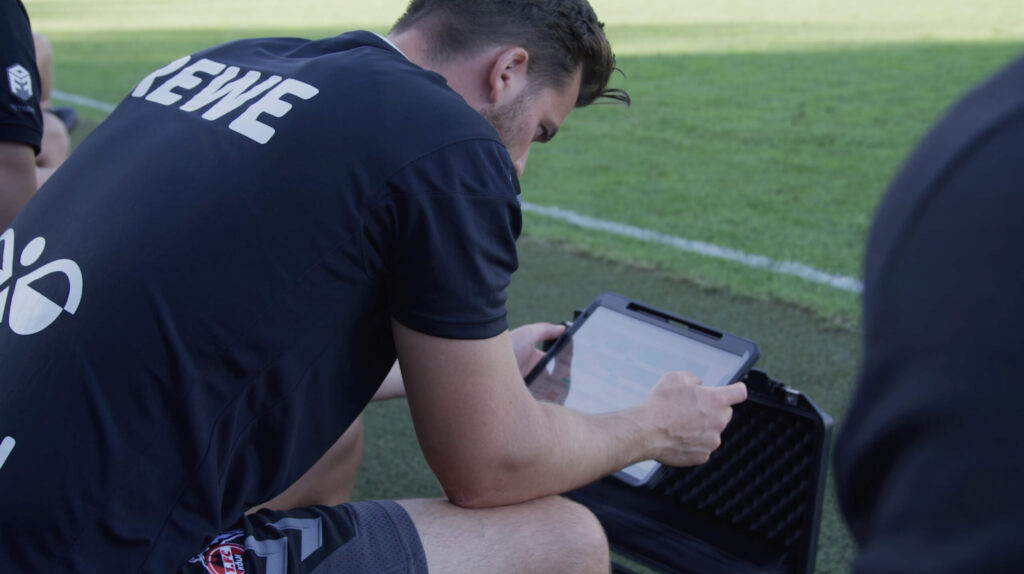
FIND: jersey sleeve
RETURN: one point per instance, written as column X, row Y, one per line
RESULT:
column 443, row 236
column 20, row 117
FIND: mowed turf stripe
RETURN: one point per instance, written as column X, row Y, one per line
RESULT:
column 82, row 101
column 849, row 284
column 760, row 262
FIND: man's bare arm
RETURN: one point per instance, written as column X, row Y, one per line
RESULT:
column 55, row 148
column 524, row 344
column 17, row 179
column 490, row 443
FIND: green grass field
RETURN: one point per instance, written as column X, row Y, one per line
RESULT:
column 771, row 128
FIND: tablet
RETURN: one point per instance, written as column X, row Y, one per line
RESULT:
column 618, row 349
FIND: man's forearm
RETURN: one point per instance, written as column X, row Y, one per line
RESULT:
column 17, row 179
column 555, row 451
column 490, row 443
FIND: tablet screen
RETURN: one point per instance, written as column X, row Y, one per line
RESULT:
column 613, row 360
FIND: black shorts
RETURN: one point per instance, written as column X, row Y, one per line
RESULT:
column 373, row 536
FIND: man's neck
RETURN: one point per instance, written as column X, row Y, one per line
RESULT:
column 467, row 76
column 392, row 44
column 413, row 46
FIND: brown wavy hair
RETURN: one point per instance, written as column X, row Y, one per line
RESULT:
column 560, row 36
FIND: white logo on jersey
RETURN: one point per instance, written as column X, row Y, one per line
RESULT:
column 31, row 311
column 20, row 81
column 6, row 446
column 223, row 93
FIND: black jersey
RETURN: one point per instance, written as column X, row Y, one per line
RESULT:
column 20, row 118
column 929, row 462
column 199, row 302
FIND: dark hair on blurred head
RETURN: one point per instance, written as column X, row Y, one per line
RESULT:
column 561, row 36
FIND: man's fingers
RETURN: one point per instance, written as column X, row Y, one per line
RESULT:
column 734, row 393
column 547, row 331
column 676, row 377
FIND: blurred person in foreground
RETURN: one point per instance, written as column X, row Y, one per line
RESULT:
column 220, row 278
column 929, row 461
column 34, row 136
column 21, row 120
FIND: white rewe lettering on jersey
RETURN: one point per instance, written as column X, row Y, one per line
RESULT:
column 219, row 88
column 235, row 94
column 167, row 70
column 186, row 79
column 223, row 94
column 248, row 124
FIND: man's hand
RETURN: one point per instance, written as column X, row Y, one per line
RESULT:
column 525, row 340
column 689, row 418
column 553, row 383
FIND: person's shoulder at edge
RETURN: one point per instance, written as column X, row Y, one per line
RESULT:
column 963, row 127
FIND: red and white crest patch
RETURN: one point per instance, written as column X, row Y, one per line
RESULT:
column 223, row 556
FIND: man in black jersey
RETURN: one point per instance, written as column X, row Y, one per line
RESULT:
column 222, row 275
column 20, row 116
column 929, row 463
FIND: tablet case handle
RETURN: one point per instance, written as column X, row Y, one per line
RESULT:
column 759, row 382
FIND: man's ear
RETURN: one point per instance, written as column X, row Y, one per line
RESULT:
column 508, row 75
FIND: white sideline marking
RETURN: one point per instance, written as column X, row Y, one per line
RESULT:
column 840, row 282
column 5, row 449
column 83, row 101
column 800, row 270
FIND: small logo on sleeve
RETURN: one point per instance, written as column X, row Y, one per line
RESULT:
column 20, row 81
column 223, row 556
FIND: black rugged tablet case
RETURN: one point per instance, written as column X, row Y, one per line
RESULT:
column 754, row 507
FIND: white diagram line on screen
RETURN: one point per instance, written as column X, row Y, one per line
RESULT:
column 792, row 268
